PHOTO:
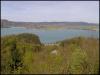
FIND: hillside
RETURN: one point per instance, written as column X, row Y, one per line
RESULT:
column 6, row 23
column 24, row 54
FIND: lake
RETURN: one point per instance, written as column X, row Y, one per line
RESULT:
column 51, row 36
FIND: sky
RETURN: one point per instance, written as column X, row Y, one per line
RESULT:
column 51, row 11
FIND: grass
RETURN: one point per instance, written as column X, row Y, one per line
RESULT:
column 75, row 56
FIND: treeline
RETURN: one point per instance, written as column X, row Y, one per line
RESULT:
column 24, row 54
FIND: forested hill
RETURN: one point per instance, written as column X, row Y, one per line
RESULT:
column 7, row 23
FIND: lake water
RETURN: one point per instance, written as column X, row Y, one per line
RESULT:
column 51, row 36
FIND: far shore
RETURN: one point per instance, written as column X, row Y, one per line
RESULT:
column 59, row 28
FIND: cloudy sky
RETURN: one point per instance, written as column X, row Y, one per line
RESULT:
column 40, row 11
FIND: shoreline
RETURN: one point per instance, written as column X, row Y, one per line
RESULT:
column 92, row 29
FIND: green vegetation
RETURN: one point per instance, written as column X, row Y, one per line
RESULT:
column 24, row 54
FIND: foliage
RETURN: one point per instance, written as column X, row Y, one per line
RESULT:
column 78, row 63
column 24, row 54
column 14, row 51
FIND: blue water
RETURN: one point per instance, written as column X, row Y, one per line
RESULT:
column 50, row 36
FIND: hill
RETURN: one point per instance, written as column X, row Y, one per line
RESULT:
column 24, row 54
column 6, row 23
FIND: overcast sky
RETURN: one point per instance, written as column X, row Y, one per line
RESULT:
column 40, row 11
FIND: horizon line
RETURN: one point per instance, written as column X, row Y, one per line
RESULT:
column 50, row 21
